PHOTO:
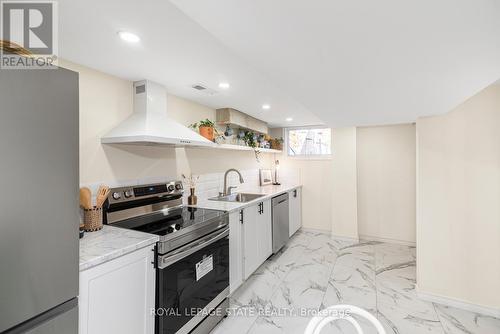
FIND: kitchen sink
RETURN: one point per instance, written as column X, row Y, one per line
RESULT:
column 237, row 197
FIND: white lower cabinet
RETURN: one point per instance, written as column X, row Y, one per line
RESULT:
column 235, row 251
column 250, row 241
column 295, row 207
column 118, row 296
column 265, row 231
column 251, row 236
column 257, row 236
column 250, row 230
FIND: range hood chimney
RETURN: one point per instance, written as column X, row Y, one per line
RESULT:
column 149, row 123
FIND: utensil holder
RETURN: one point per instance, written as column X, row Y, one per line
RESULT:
column 92, row 219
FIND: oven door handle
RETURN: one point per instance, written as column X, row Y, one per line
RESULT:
column 166, row 260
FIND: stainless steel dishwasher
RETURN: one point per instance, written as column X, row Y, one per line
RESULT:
column 280, row 221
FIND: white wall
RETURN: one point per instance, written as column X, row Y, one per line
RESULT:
column 386, row 179
column 343, row 204
column 458, row 202
column 315, row 177
column 328, row 185
column 106, row 100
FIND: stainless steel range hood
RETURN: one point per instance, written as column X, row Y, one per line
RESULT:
column 149, row 123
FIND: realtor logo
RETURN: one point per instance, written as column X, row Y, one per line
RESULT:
column 28, row 34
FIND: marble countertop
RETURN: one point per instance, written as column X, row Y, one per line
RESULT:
column 267, row 191
column 110, row 243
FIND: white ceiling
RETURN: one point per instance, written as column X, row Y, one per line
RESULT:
column 174, row 51
column 355, row 62
column 360, row 62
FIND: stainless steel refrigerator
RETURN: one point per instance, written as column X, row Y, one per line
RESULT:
column 39, row 242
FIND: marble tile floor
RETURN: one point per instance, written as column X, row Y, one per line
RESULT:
column 314, row 271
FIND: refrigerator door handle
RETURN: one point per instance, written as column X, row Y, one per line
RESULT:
column 33, row 323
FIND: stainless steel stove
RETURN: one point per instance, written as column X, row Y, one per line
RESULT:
column 192, row 255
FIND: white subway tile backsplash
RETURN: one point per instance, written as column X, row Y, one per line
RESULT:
column 208, row 185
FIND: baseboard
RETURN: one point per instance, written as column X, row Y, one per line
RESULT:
column 457, row 303
column 344, row 238
column 315, row 230
column 387, row 240
column 339, row 237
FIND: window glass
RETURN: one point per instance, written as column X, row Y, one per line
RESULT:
column 309, row 142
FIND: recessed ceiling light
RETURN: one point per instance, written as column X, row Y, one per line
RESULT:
column 266, row 106
column 128, row 37
column 289, row 119
column 224, row 85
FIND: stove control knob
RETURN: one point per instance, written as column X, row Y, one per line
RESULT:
column 178, row 186
column 128, row 193
column 171, row 187
column 177, row 226
column 170, row 229
column 116, row 196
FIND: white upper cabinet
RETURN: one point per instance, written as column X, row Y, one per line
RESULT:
column 229, row 116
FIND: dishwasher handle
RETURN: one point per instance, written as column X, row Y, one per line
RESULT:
column 280, row 199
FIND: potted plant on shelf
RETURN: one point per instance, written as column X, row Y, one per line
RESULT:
column 206, row 128
column 267, row 141
column 250, row 140
column 277, row 144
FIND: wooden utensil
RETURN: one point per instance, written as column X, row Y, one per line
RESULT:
column 85, row 198
column 102, row 195
column 98, row 195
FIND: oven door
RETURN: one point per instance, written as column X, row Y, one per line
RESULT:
column 192, row 281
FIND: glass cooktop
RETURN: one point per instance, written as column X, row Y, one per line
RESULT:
column 161, row 223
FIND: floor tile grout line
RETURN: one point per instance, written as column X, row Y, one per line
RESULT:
column 251, row 326
column 281, row 281
column 381, row 256
column 300, row 257
column 439, row 318
column 310, row 239
column 329, row 277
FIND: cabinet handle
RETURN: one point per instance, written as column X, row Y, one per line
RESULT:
column 155, row 258
column 241, row 216
column 295, row 193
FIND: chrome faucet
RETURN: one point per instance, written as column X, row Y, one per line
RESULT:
column 228, row 190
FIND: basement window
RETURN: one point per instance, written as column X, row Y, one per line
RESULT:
column 309, row 142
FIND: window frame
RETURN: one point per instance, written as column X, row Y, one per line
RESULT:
column 307, row 156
